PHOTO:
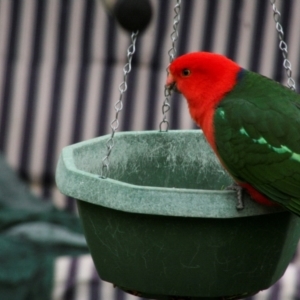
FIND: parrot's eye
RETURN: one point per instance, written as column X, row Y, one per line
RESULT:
column 186, row 72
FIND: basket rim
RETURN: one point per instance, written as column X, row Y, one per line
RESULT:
column 178, row 202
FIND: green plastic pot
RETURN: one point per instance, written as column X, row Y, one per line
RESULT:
column 162, row 226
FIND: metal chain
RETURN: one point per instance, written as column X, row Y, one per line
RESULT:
column 283, row 47
column 172, row 53
column 118, row 106
column 175, row 34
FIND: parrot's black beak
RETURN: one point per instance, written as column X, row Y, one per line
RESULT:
column 175, row 89
column 171, row 84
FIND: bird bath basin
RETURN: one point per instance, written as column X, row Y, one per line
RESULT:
column 162, row 226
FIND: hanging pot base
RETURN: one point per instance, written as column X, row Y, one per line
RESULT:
column 149, row 296
column 164, row 256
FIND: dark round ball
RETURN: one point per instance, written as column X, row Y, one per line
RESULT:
column 133, row 15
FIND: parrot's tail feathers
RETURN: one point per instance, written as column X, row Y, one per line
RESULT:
column 294, row 206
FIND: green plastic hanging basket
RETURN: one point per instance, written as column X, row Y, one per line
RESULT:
column 162, row 226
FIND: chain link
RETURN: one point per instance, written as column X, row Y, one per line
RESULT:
column 283, row 47
column 172, row 53
column 114, row 125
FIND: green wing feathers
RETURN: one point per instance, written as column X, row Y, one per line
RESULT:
column 257, row 134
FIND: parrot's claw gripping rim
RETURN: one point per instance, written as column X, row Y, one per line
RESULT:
column 239, row 190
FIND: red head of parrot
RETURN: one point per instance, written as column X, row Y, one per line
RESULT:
column 203, row 78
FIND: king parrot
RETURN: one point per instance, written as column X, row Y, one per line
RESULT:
column 251, row 122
